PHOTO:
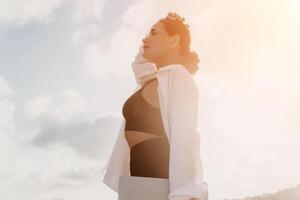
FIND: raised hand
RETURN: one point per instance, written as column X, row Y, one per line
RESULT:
column 141, row 67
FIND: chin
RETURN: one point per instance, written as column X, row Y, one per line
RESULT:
column 146, row 57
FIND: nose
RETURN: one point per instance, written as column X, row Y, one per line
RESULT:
column 145, row 38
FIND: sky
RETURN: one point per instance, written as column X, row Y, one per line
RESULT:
column 65, row 72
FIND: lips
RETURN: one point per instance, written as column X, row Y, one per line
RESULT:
column 145, row 47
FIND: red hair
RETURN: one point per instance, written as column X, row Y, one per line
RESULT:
column 175, row 26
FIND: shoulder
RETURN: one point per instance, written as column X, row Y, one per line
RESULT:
column 179, row 71
column 177, row 79
column 181, row 77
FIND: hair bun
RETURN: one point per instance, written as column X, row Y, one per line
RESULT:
column 193, row 56
column 191, row 61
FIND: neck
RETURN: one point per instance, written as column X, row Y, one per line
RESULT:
column 172, row 58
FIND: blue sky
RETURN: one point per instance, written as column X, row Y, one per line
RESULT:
column 65, row 74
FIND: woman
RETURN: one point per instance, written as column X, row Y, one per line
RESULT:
column 157, row 153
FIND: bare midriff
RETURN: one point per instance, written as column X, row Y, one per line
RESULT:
column 136, row 137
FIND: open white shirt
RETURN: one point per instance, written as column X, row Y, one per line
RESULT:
column 178, row 99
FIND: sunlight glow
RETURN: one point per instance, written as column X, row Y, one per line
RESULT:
column 293, row 6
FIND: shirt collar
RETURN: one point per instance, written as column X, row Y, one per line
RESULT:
column 167, row 67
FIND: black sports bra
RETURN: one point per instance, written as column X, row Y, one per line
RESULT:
column 149, row 158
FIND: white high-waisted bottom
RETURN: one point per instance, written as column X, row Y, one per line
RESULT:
column 143, row 188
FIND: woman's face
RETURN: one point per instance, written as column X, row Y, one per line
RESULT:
column 157, row 44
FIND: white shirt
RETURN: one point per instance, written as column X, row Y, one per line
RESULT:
column 178, row 99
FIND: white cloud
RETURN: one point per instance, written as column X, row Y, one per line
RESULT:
column 65, row 106
column 88, row 10
column 62, row 119
column 18, row 12
column 84, row 136
column 7, row 108
column 27, row 167
column 112, row 56
column 38, row 105
column 7, row 128
column 5, row 90
column 85, row 33
column 86, row 17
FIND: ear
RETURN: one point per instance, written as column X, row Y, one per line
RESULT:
column 175, row 39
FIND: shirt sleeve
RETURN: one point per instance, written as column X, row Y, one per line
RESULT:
column 117, row 164
column 142, row 67
column 186, row 174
